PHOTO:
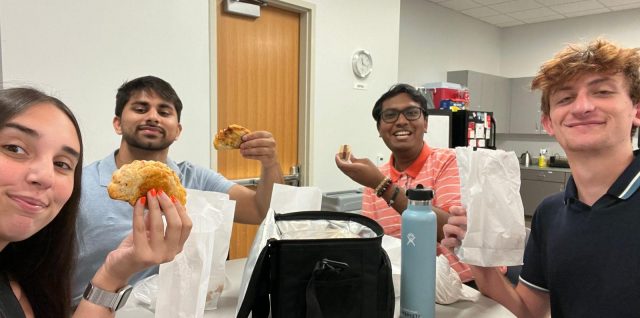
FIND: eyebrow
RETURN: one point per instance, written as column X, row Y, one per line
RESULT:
column 591, row 83
column 32, row 133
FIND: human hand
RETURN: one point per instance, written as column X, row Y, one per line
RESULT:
column 260, row 145
column 456, row 228
column 149, row 243
column 362, row 171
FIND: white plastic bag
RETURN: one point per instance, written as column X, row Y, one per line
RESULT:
column 490, row 192
column 449, row 288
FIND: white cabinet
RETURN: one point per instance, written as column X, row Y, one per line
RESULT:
column 486, row 93
column 525, row 108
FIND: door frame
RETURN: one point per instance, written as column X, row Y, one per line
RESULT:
column 305, row 87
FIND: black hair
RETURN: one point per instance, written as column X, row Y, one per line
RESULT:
column 395, row 90
column 147, row 84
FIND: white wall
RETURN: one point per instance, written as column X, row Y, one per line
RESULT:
column 342, row 114
column 435, row 40
column 526, row 47
column 82, row 51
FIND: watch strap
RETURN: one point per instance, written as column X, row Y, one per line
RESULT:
column 111, row 300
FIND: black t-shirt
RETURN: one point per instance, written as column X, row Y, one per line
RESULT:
column 9, row 305
column 588, row 258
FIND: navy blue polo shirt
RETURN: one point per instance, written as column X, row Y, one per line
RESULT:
column 588, row 258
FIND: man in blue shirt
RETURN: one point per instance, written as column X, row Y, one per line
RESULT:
column 583, row 253
column 147, row 116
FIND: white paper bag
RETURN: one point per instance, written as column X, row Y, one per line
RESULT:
column 284, row 199
column 220, row 252
column 490, row 192
column 183, row 283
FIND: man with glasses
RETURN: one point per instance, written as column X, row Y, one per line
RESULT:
column 401, row 119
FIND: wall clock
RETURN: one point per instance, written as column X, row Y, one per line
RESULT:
column 362, row 64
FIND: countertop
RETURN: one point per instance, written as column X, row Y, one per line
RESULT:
column 535, row 167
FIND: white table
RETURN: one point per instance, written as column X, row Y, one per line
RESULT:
column 484, row 307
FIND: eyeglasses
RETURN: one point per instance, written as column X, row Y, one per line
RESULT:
column 391, row 115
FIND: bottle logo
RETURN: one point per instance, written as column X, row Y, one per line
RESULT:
column 407, row 313
column 411, row 239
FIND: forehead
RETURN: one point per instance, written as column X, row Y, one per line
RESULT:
column 399, row 101
column 149, row 97
column 590, row 80
column 50, row 125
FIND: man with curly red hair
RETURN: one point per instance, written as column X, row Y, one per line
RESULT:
column 583, row 253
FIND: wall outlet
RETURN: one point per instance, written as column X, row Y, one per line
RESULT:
column 379, row 159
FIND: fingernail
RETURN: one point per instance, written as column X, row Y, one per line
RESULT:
column 160, row 191
column 173, row 199
column 143, row 200
column 153, row 192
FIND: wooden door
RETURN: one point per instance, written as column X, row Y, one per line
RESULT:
column 258, row 70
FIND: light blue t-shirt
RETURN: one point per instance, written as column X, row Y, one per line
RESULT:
column 103, row 222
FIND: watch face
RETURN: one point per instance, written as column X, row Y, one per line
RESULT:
column 362, row 64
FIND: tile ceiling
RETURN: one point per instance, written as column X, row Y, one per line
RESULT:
column 506, row 13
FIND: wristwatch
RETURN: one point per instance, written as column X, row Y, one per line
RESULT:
column 111, row 300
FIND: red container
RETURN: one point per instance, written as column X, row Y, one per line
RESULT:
column 440, row 94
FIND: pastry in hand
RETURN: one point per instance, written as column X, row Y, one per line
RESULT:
column 135, row 179
column 230, row 137
column 345, row 152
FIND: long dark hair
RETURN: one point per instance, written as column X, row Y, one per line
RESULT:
column 43, row 263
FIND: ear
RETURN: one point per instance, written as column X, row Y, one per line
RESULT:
column 636, row 119
column 179, row 131
column 546, row 123
column 116, row 125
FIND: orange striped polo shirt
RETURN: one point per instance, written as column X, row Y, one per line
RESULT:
column 434, row 168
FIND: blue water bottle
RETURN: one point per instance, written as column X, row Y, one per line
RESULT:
column 418, row 275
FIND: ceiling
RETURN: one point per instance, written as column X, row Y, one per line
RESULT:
column 506, row 13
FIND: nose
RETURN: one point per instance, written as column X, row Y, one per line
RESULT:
column 152, row 116
column 402, row 119
column 41, row 174
column 582, row 104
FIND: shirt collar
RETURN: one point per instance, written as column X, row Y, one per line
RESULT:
column 623, row 188
column 414, row 169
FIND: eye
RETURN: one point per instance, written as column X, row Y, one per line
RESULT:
column 389, row 114
column 604, row 92
column 15, row 149
column 413, row 112
column 63, row 165
column 139, row 109
column 165, row 113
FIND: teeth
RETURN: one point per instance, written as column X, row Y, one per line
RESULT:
column 402, row 133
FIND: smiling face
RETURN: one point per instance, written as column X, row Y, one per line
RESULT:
column 591, row 112
column 402, row 135
column 148, row 122
column 37, row 164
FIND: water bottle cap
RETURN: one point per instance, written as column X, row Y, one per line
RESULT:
column 420, row 193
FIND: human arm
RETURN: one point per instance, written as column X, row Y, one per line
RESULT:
column 364, row 172
column 148, row 244
column 252, row 206
column 522, row 300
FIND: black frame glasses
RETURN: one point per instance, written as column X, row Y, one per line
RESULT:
column 410, row 113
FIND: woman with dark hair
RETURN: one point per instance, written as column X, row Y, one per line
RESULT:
column 40, row 173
